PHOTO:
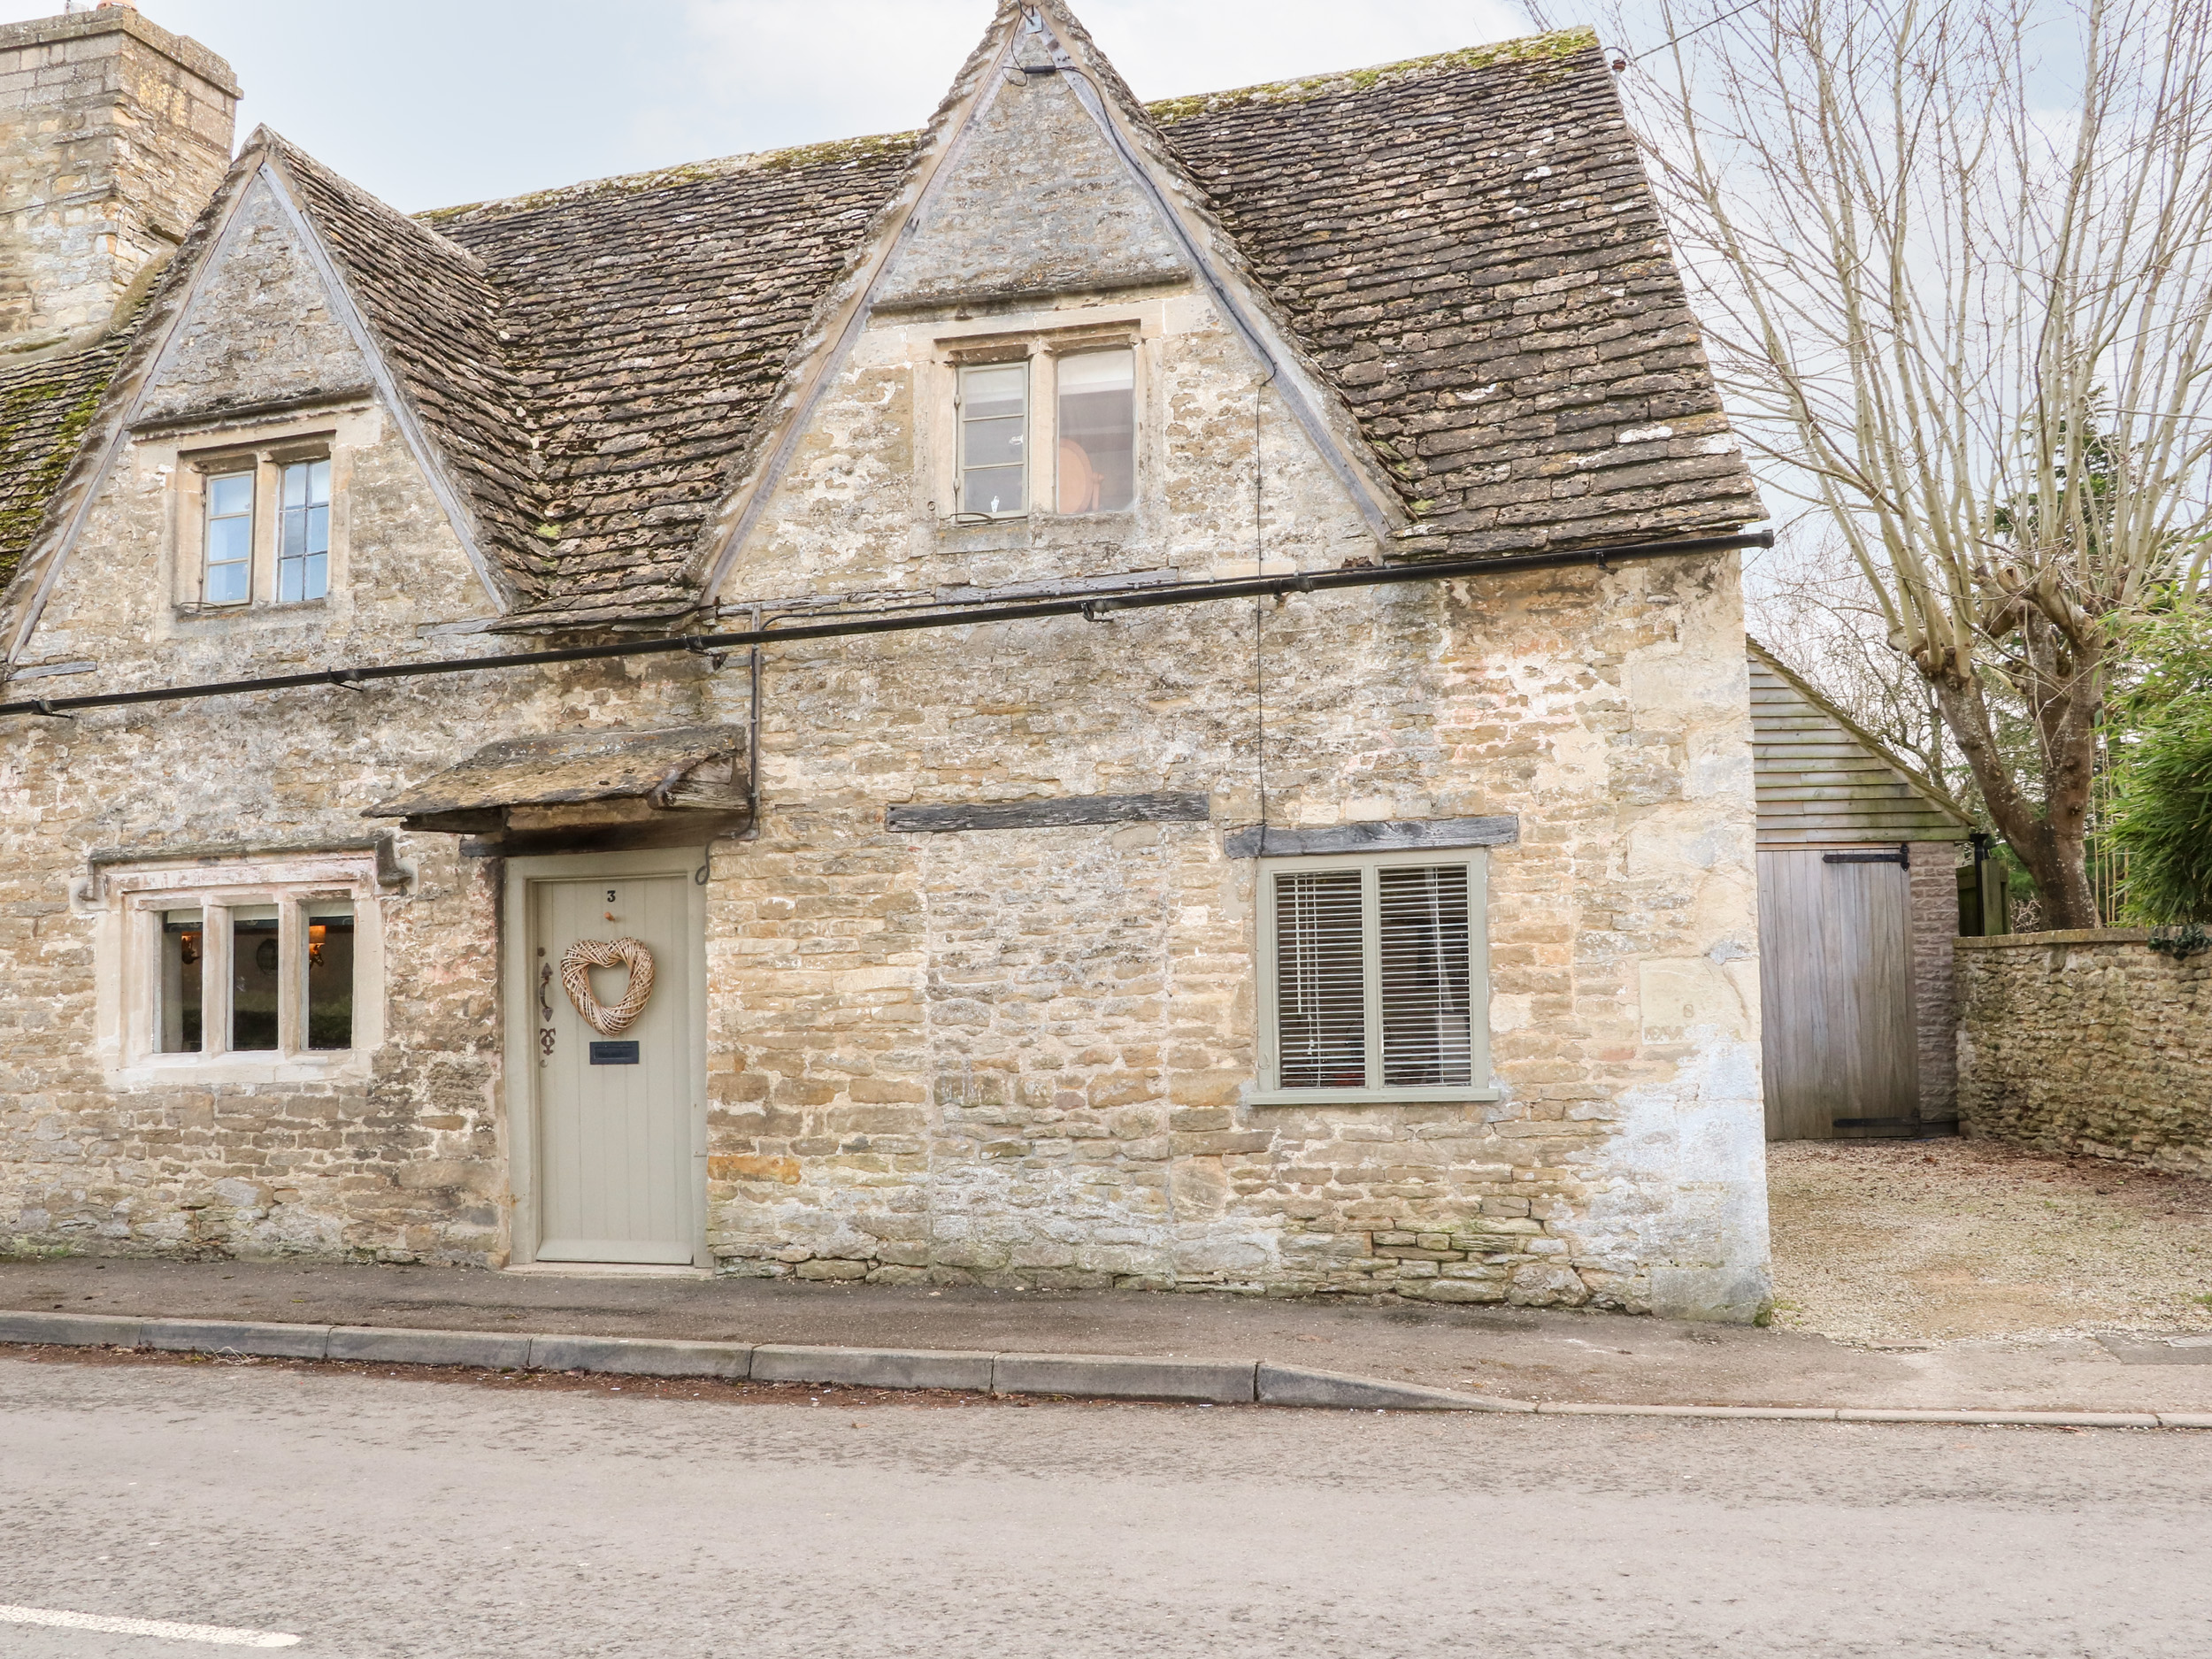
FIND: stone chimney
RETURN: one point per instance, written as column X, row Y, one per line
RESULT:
column 114, row 134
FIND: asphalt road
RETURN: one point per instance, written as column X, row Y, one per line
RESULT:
column 443, row 1520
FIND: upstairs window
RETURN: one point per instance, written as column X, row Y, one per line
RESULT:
column 1375, row 978
column 1098, row 432
column 993, row 438
column 265, row 528
column 304, row 550
column 229, row 570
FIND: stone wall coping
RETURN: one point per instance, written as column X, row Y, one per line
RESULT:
column 180, row 49
column 2063, row 936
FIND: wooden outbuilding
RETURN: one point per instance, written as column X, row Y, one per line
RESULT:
column 1861, row 884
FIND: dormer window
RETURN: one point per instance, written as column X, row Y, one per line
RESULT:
column 303, row 554
column 265, row 527
column 993, row 439
column 1045, row 424
column 228, row 573
column 1098, row 431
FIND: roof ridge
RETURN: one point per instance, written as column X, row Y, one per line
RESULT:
column 435, row 313
column 1555, row 42
column 267, row 138
column 815, row 153
column 1548, row 44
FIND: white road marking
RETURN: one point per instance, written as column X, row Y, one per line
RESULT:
column 220, row 1635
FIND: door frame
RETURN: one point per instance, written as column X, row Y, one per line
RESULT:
column 517, row 992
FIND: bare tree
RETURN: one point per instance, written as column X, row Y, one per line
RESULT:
column 1956, row 258
column 1808, row 602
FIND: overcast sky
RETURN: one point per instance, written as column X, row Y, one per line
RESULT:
column 429, row 103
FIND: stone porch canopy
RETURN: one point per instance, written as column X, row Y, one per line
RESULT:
column 1461, row 250
column 587, row 790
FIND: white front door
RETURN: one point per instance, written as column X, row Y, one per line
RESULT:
column 616, row 1116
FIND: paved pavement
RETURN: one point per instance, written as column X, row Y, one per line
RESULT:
column 1521, row 1354
column 448, row 1520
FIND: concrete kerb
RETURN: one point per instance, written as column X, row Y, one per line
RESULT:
column 1087, row 1376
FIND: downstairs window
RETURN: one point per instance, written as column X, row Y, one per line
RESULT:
column 1375, row 978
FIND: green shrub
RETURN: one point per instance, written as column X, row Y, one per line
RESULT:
column 2161, row 814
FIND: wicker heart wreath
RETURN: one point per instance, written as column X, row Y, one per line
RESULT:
column 581, row 959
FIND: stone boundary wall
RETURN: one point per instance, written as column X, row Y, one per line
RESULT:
column 2087, row 1043
column 1932, row 881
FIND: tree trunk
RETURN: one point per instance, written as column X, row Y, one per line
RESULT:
column 2053, row 843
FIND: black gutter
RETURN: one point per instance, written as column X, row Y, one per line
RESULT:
column 951, row 616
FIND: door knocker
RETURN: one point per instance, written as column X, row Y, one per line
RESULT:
column 581, row 959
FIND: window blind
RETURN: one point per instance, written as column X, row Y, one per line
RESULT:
column 1320, row 981
column 1421, row 948
column 1373, row 971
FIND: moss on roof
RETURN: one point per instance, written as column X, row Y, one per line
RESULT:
column 1552, row 48
column 843, row 152
column 44, row 414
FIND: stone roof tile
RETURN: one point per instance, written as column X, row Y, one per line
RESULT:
column 659, row 311
column 1479, row 238
column 435, row 312
column 1465, row 247
column 45, row 410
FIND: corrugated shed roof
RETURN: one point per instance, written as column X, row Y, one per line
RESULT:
column 1823, row 780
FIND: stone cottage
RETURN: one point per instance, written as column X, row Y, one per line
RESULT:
column 1100, row 694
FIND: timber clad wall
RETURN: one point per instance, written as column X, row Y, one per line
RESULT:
column 1824, row 783
column 2088, row 1043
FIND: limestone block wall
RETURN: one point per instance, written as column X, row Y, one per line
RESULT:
column 406, row 1162
column 1012, row 1056
column 1020, row 1056
column 2087, row 1043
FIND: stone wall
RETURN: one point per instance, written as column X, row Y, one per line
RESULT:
column 404, row 1158
column 1934, row 882
column 1022, row 1056
column 114, row 134
column 1006, row 1056
column 2087, row 1043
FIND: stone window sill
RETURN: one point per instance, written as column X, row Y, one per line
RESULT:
column 204, row 613
column 154, row 1071
column 1369, row 1097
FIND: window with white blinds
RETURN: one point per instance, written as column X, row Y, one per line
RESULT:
column 1375, row 976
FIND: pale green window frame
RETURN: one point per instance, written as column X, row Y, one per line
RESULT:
column 1267, row 1089
column 992, row 406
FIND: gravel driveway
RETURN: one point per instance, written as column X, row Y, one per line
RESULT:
column 1931, row 1241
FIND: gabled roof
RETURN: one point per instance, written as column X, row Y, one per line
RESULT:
column 1823, row 778
column 1468, row 246
column 650, row 318
column 1461, row 254
column 434, row 311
